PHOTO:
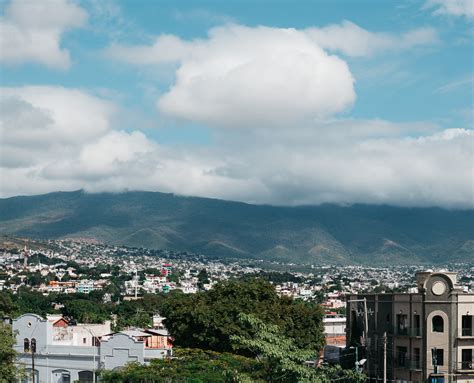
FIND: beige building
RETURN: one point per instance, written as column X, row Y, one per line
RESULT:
column 430, row 334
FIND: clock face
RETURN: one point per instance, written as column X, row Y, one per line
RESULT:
column 438, row 288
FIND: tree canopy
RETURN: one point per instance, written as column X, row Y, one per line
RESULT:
column 9, row 371
column 206, row 320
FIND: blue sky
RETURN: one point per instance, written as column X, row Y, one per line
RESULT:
column 266, row 102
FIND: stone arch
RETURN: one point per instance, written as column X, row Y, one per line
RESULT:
column 444, row 317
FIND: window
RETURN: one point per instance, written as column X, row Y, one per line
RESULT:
column 437, row 355
column 466, row 324
column 402, row 324
column 416, row 325
column 85, row 377
column 438, row 324
column 26, row 345
column 84, row 340
column 416, row 357
column 401, row 356
column 466, row 359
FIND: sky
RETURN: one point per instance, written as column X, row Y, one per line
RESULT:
column 267, row 102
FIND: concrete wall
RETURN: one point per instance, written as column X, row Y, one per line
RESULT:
column 119, row 350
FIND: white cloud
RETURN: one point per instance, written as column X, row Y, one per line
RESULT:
column 65, row 115
column 352, row 40
column 30, row 31
column 341, row 161
column 263, row 77
column 463, row 8
column 243, row 77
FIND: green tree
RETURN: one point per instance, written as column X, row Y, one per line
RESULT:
column 29, row 301
column 282, row 359
column 86, row 311
column 9, row 371
column 203, row 278
column 207, row 319
column 7, row 307
column 192, row 366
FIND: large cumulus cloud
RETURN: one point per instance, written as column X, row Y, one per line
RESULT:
column 241, row 76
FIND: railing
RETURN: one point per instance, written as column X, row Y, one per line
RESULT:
column 466, row 331
column 407, row 363
column 466, row 365
column 415, row 331
column 407, row 331
column 414, row 364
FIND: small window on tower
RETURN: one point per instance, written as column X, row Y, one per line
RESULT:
column 438, row 324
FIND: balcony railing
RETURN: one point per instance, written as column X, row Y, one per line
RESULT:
column 466, row 331
column 466, row 366
column 407, row 331
column 415, row 331
column 407, row 363
column 414, row 364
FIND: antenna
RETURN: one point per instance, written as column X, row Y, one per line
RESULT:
column 136, row 284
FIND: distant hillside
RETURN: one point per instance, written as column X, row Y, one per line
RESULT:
column 316, row 234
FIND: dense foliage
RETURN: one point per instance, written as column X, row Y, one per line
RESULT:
column 274, row 358
column 9, row 372
column 190, row 365
column 281, row 358
column 207, row 320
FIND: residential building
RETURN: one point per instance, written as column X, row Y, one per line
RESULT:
column 429, row 333
column 335, row 330
column 63, row 352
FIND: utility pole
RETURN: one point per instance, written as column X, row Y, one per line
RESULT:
column 367, row 340
column 384, row 357
column 94, row 340
column 136, row 285
column 33, row 350
column 357, row 359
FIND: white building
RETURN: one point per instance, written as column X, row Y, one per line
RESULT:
column 66, row 353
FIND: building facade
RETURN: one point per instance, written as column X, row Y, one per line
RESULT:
column 429, row 334
column 56, row 351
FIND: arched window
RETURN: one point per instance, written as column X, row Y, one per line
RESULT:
column 26, row 345
column 438, row 324
column 85, row 377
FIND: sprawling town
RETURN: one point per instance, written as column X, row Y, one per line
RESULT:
column 79, row 266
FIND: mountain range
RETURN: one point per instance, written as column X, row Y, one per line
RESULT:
column 368, row 234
